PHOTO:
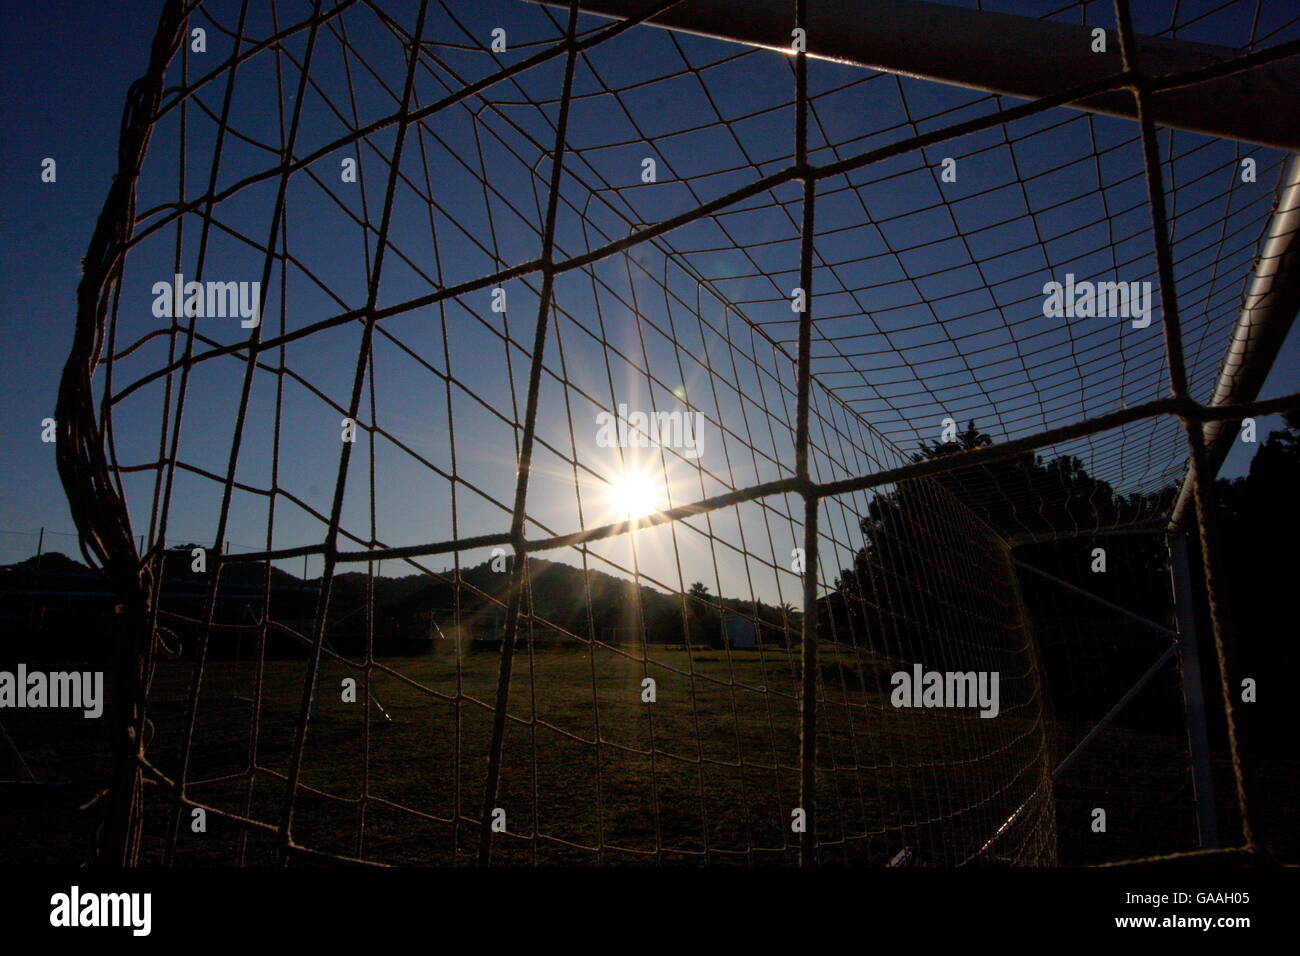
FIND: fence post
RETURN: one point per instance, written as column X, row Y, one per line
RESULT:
column 37, row 618
column 1198, row 738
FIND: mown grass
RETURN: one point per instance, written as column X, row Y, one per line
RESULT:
column 707, row 773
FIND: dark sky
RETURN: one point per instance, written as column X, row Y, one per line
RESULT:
column 65, row 69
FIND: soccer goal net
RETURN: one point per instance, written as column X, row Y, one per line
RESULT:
column 624, row 416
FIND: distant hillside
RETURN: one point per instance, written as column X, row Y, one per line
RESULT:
column 54, row 570
column 408, row 610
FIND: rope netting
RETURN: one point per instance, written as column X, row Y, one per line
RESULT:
column 609, row 368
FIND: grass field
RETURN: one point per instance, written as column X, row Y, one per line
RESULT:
column 706, row 773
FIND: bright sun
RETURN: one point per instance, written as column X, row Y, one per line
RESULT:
column 634, row 496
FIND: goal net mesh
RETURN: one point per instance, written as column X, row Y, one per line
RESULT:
column 554, row 460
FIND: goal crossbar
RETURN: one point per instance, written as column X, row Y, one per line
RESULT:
column 983, row 50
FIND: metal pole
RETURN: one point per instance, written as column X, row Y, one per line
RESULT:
column 1111, row 714
column 1266, row 317
column 1198, row 738
column 1004, row 53
column 1153, row 526
column 1092, row 597
column 38, row 617
column 18, row 754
